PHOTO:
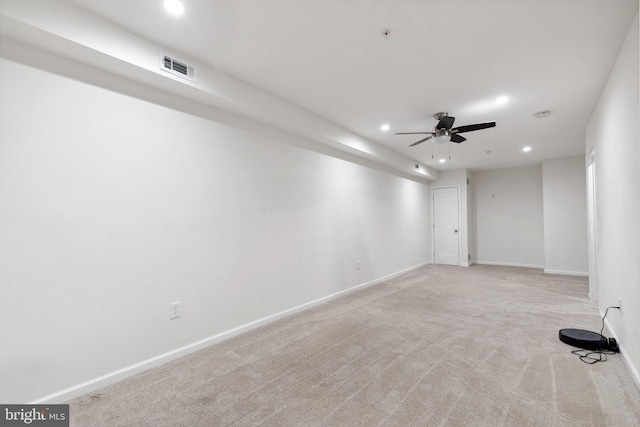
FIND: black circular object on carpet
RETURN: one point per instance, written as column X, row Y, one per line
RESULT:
column 583, row 339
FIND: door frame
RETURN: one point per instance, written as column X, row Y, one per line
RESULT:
column 433, row 229
column 592, row 221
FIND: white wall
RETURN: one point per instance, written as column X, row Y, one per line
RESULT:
column 613, row 130
column 62, row 28
column 509, row 217
column 565, row 216
column 112, row 207
column 561, row 182
column 458, row 178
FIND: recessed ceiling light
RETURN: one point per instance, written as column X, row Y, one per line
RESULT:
column 502, row 100
column 442, row 160
column 385, row 127
column 174, row 6
column 526, row 149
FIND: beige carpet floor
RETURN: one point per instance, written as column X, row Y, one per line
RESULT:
column 440, row 346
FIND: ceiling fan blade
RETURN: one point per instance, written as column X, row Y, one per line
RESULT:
column 469, row 128
column 457, row 138
column 421, row 141
column 414, row 133
column 445, row 123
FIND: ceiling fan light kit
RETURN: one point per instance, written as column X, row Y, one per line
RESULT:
column 443, row 132
column 442, row 139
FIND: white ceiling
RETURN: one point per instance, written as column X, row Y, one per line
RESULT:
column 329, row 57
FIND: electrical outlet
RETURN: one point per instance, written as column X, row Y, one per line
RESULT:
column 175, row 310
column 620, row 302
column 358, row 265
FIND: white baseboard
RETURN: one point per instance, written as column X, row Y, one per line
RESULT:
column 548, row 271
column 508, row 264
column 635, row 374
column 567, row 273
column 115, row 376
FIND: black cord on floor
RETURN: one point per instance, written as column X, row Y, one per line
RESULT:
column 587, row 356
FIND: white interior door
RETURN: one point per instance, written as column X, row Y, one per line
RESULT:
column 446, row 219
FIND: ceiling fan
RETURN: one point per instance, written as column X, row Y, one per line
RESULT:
column 443, row 132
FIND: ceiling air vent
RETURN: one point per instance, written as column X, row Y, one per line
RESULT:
column 179, row 68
